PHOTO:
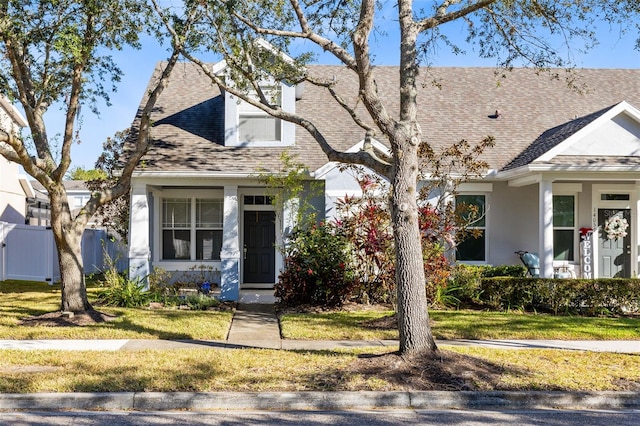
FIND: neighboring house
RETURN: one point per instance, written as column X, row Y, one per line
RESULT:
column 77, row 195
column 13, row 186
column 563, row 162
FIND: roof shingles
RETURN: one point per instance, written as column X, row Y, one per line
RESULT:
column 188, row 132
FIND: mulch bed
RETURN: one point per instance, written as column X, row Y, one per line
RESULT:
column 442, row 370
column 63, row 319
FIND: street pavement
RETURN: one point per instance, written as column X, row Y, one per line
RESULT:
column 400, row 417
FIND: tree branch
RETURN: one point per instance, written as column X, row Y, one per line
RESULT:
column 77, row 82
column 442, row 17
column 368, row 90
column 307, row 33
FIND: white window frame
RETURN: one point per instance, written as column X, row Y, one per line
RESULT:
column 485, row 228
column 193, row 198
column 235, row 109
column 80, row 200
column 573, row 228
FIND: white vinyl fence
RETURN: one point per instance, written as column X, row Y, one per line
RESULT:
column 29, row 253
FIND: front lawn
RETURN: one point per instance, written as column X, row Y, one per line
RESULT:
column 19, row 300
column 463, row 324
column 253, row 370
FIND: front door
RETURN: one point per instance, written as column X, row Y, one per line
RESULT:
column 614, row 243
column 259, row 247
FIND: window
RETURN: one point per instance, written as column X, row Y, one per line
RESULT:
column 255, row 125
column 257, row 200
column 563, row 227
column 188, row 220
column 80, row 201
column 247, row 125
column 472, row 248
column 614, row 197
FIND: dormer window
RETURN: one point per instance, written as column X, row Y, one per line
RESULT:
column 247, row 125
column 255, row 125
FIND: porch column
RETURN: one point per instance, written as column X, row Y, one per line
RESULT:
column 545, row 239
column 230, row 253
column 290, row 215
column 139, row 250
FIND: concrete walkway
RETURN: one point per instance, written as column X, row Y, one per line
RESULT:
column 255, row 325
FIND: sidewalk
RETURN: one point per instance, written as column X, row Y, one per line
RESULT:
column 245, row 341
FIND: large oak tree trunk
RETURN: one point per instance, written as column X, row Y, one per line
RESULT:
column 413, row 317
column 68, row 238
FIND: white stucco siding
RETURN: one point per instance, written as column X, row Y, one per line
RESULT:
column 512, row 221
column 12, row 196
column 584, row 210
column 622, row 129
column 338, row 184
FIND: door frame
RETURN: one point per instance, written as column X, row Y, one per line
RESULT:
column 631, row 204
column 242, row 192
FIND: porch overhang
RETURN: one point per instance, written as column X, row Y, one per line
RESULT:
column 535, row 173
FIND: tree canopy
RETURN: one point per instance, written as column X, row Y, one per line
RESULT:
column 79, row 173
column 56, row 54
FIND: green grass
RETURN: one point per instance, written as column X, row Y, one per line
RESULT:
column 23, row 299
column 500, row 325
column 206, row 370
column 462, row 325
column 335, row 326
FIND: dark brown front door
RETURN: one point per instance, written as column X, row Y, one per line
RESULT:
column 259, row 247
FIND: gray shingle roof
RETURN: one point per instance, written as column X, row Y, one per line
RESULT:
column 551, row 138
column 536, row 113
column 69, row 185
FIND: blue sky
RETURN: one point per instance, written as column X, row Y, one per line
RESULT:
column 614, row 51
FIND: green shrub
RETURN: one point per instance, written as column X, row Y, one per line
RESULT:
column 510, row 293
column 504, row 271
column 317, row 268
column 123, row 292
column 200, row 302
column 467, row 283
column 160, row 283
column 116, row 289
column 466, row 279
column 444, row 296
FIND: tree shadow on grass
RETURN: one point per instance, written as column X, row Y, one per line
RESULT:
column 442, row 370
column 145, row 324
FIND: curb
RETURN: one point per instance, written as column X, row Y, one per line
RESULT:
column 433, row 400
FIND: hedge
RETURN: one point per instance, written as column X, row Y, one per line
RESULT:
column 586, row 296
